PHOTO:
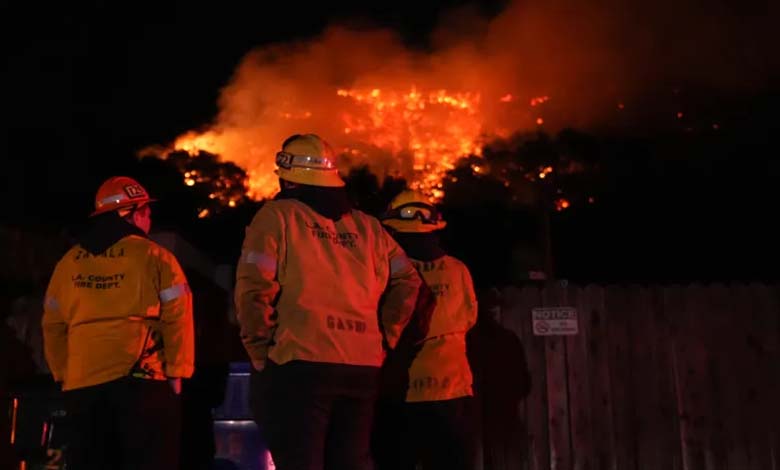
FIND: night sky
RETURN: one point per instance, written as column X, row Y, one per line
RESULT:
column 87, row 85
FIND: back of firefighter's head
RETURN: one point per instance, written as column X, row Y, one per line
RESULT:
column 308, row 159
column 127, row 198
column 412, row 212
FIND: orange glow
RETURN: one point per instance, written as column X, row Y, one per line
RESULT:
column 436, row 127
column 545, row 171
column 561, row 204
column 413, row 132
column 14, row 413
column 204, row 213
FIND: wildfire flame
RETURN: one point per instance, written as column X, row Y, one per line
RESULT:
column 436, row 127
column 401, row 112
column 425, row 132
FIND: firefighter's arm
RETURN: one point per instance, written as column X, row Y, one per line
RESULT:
column 401, row 294
column 55, row 331
column 471, row 298
column 257, row 285
column 416, row 330
column 176, row 321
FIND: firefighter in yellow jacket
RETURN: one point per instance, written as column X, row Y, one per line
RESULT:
column 319, row 288
column 439, row 431
column 118, row 336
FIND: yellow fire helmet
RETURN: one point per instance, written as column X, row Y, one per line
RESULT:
column 308, row 159
column 410, row 211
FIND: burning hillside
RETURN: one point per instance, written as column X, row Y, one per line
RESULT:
column 415, row 112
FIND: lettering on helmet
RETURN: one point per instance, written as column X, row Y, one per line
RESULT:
column 134, row 191
column 284, row 160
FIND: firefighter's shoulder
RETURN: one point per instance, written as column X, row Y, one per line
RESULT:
column 454, row 263
column 368, row 220
column 274, row 208
column 137, row 246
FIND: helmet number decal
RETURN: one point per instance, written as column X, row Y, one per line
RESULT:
column 284, row 160
column 134, row 191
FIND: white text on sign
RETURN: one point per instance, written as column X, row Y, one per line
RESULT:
column 554, row 321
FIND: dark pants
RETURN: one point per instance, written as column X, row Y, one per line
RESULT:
column 388, row 433
column 125, row 424
column 318, row 416
column 440, row 435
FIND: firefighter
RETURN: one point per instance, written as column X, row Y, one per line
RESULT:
column 438, row 411
column 118, row 336
column 319, row 288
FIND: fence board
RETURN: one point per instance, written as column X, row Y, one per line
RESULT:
column 774, row 314
column 773, row 332
column 669, row 422
column 513, row 317
column 579, row 376
column 600, row 385
column 690, row 363
column 536, row 403
column 748, row 377
column 648, row 417
column 619, row 305
column 760, row 353
column 557, row 393
column 714, row 311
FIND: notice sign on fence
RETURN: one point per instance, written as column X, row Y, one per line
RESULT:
column 552, row 321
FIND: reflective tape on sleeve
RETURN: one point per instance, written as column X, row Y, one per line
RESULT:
column 399, row 263
column 51, row 303
column 261, row 260
column 173, row 292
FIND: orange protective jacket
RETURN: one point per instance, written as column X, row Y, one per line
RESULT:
column 309, row 288
column 441, row 369
column 103, row 312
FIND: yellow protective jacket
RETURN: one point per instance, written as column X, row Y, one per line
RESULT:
column 441, row 370
column 102, row 312
column 309, row 288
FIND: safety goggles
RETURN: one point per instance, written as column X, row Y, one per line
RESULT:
column 415, row 210
column 287, row 161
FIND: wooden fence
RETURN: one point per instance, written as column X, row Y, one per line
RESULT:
column 658, row 378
